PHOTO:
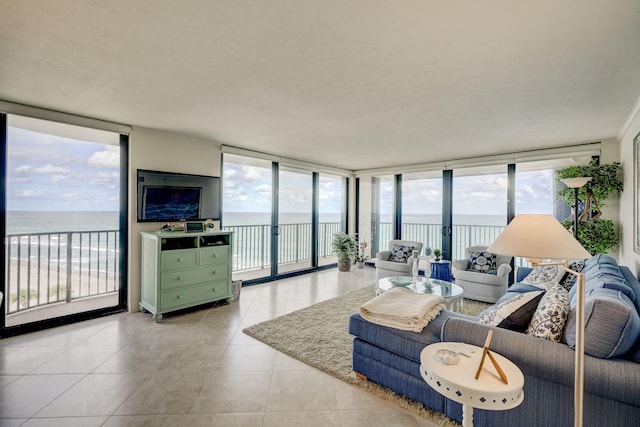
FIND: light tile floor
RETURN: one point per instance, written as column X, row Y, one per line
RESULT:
column 192, row 369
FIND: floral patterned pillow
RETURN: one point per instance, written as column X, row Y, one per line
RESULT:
column 401, row 253
column 551, row 315
column 482, row 262
column 544, row 276
column 568, row 280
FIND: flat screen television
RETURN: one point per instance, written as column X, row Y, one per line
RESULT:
column 168, row 197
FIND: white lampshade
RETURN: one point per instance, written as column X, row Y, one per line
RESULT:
column 538, row 236
column 576, row 182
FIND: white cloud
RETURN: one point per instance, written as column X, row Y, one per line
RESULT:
column 58, row 178
column 51, row 169
column 108, row 158
column 33, row 192
column 23, row 169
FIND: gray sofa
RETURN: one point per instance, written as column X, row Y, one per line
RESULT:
column 612, row 383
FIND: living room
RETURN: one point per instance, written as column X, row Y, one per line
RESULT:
column 532, row 96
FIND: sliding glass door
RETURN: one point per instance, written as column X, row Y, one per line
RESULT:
column 295, row 207
column 479, row 207
column 64, row 242
column 283, row 217
column 247, row 201
column 331, row 218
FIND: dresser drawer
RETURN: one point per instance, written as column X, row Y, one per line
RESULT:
column 175, row 279
column 214, row 255
column 179, row 259
column 193, row 294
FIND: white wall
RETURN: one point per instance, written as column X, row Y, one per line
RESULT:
column 627, row 256
column 162, row 151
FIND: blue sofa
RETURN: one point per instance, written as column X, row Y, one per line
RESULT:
column 612, row 362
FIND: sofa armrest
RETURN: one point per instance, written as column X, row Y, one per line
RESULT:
column 383, row 255
column 553, row 362
column 503, row 270
column 460, row 264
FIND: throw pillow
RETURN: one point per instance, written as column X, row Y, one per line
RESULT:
column 482, row 262
column 544, row 276
column 550, row 316
column 568, row 280
column 514, row 313
column 401, row 253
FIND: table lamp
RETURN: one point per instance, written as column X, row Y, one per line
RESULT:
column 542, row 236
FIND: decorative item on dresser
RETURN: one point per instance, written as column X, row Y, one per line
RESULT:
column 181, row 270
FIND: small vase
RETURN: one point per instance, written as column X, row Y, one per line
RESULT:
column 344, row 264
column 360, row 264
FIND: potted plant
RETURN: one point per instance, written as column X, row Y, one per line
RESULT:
column 596, row 234
column 438, row 254
column 360, row 256
column 345, row 248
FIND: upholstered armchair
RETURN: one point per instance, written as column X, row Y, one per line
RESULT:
column 396, row 260
column 483, row 276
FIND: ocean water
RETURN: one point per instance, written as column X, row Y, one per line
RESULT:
column 43, row 239
column 264, row 218
column 24, row 222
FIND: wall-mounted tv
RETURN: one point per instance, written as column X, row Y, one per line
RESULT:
column 168, row 196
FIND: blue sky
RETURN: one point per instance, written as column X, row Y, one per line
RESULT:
column 53, row 173
column 248, row 188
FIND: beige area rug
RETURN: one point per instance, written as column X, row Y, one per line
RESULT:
column 318, row 336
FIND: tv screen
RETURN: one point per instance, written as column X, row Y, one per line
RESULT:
column 170, row 202
column 167, row 197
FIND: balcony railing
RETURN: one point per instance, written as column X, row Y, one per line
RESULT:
column 48, row 268
column 252, row 243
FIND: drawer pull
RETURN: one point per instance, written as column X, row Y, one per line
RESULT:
column 180, row 259
column 180, row 277
column 179, row 296
column 214, row 289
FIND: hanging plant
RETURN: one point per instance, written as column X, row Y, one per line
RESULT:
column 596, row 235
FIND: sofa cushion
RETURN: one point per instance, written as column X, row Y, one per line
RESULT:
column 400, row 253
column 405, row 344
column 597, row 261
column 482, row 262
column 606, row 281
column 514, row 313
column 549, row 319
column 544, row 276
column 568, row 280
column 612, row 324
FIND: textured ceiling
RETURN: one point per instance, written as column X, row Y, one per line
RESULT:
column 354, row 84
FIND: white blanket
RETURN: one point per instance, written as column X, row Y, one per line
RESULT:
column 401, row 308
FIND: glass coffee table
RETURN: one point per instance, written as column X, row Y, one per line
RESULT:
column 451, row 292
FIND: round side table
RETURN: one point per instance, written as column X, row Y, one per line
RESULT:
column 458, row 383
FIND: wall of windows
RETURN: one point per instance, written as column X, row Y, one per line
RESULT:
column 283, row 215
column 477, row 198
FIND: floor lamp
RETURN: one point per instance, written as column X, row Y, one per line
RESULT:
column 543, row 237
column 576, row 184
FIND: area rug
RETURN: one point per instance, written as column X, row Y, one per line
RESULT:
column 318, row 336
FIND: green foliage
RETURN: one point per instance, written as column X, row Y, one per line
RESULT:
column 605, row 181
column 596, row 235
column 344, row 246
column 58, row 293
column 23, row 298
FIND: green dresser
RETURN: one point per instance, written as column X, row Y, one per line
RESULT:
column 181, row 270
